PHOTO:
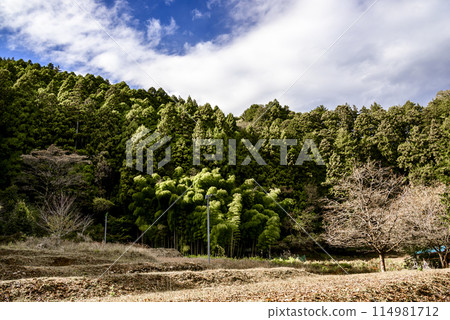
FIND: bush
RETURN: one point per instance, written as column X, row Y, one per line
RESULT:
column 21, row 219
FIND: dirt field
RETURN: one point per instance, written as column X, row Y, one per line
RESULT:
column 46, row 271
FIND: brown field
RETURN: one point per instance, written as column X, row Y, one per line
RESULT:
column 46, row 270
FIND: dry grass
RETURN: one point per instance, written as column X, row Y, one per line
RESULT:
column 407, row 285
column 52, row 258
column 50, row 270
column 76, row 288
column 228, row 263
column 350, row 266
column 108, row 251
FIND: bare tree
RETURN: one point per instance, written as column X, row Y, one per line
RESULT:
column 47, row 172
column 428, row 223
column 54, row 178
column 366, row 213
column 60, row 216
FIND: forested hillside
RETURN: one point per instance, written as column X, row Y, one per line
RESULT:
column 81, row 124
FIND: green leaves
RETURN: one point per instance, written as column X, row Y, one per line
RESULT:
column 41, row 106
column 239, row 214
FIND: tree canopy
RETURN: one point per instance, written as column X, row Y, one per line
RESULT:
column 89, row 119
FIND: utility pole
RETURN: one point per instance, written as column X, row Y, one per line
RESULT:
column 106, row 224
column 207, row 225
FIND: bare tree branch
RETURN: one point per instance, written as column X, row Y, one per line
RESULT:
column 60, row 216
column 428, row 223
column 366, row 213
column 49, row 171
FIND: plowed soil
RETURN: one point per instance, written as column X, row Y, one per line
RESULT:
column 71, row 272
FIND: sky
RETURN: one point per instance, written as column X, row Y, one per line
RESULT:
column 235, row 53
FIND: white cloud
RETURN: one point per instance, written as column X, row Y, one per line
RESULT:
column 397, row 51
column 251, row 11
column 156, row 31
column 211, row 3
column 197, row 14
column 168, row 2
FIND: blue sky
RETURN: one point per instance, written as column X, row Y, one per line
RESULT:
column 233, row 53
column 196, row 21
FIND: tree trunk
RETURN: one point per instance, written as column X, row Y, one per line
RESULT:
column 174, row 240
column 231, row 245
column 382, row 263
column 76, row 138
column 443, row 259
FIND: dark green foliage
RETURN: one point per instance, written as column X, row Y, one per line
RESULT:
column 42, row 106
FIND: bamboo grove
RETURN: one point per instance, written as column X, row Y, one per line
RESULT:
column 44, row 108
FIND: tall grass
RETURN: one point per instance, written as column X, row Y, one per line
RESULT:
column 108, row 251
column 350, row 266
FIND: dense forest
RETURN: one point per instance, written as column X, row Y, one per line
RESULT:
column 63, row 138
